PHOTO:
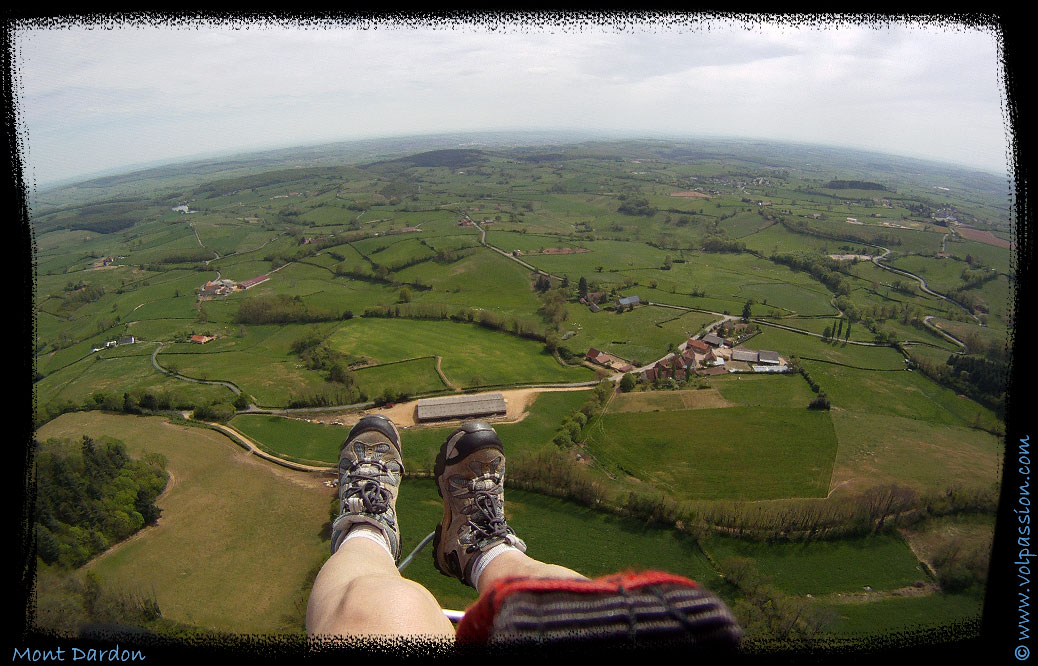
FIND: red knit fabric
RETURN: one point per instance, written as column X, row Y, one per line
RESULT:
column 478, row 621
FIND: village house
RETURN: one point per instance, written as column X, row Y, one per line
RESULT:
column 712, row 360
column 608, row 360
column 202, row 339
column 215, row 288
column 697, row 346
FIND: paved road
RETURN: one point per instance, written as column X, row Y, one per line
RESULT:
column 922, row 283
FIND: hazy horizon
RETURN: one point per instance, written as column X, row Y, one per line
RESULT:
column 129, row 169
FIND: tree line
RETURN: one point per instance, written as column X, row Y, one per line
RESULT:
column 91, row 496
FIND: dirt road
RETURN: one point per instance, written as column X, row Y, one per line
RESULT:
column 517, row 401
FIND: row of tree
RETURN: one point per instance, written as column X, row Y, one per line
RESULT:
column 281, row 309
column 825, row 270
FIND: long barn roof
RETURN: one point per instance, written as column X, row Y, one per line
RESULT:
column 461, row 406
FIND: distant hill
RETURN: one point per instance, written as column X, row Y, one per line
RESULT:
column 451, row 157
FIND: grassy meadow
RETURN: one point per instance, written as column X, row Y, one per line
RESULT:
column 386, row 229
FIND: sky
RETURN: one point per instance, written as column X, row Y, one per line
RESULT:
column 98, row 97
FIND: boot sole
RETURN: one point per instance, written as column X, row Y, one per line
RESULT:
column 438, row 469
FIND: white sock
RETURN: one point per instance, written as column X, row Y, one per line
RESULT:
column 486, row 558
column 365, row 531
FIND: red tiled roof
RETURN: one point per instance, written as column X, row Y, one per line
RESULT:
column 698, row 345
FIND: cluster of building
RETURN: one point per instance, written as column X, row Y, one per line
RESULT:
column 593, row 298
column 215, row 288
column 712, row 355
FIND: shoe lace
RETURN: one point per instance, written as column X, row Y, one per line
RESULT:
column 375, row 497
column 488, row 522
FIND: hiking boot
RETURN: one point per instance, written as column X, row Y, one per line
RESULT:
column 370, row 469
column 470, row 474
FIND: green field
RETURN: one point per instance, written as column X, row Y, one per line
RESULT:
column 882, row 562
column 897, row 615
column 472, row 356
column 292, row 438
column 749, row 453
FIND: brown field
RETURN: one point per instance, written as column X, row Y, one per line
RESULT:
column 646, row 401
column 233, row 527
column 561, row 250
column 983, row 237
column 969, row 532
column 877, row 449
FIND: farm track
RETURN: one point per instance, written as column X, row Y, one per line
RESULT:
column 443, row 377
column 525, row 396
column 213, row 382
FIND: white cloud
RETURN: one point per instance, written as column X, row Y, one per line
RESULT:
column 900, row 88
